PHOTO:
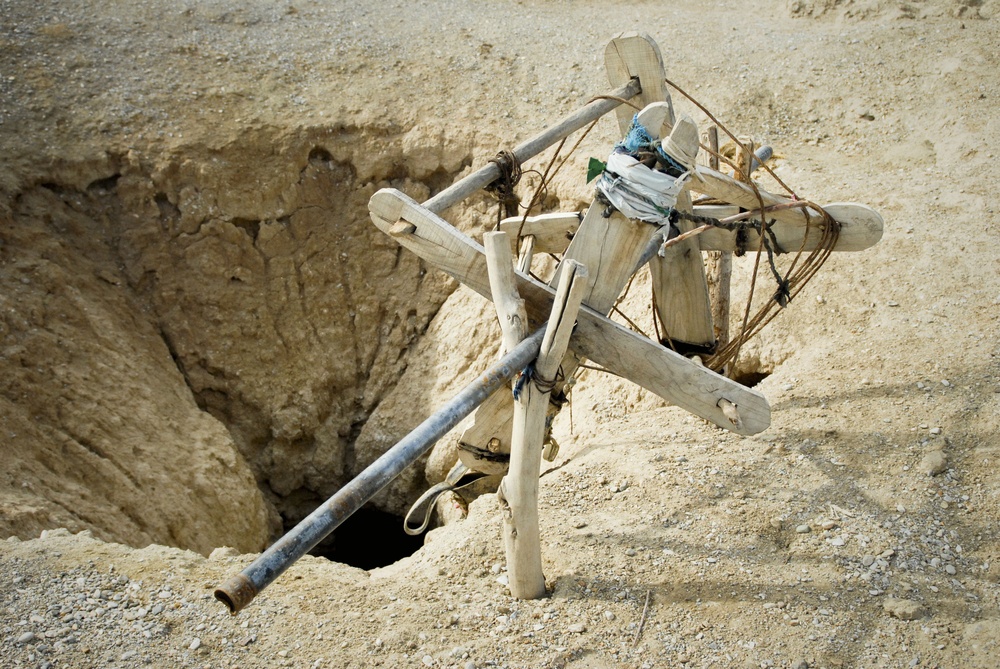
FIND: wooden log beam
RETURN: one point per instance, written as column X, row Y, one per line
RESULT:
column 519, row 489
column 678, row 276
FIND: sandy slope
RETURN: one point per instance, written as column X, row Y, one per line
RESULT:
column 822, row 542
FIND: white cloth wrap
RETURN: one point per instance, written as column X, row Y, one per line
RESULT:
column 639, row 192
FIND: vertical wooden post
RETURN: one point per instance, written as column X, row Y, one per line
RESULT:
column 518, row 492
column 527, row 252
column 719, row 266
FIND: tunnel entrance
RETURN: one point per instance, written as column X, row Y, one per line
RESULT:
column 369, row 539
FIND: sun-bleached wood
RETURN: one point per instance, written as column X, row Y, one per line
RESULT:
column 861, row 226
column 617, row 349
column 612, row 245
column 509, row 305
column 552, row 232
column 678, row 276
column 719, row 264
column 633, row 55
column 527, row 253
column 519, row 488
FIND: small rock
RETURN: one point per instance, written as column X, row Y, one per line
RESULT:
column 904, row 609
column 933, row 463
column 223, row 552
column 800, row 664
column 950, row 568
column 195, row 645
column 579, row 523
column 837, row 541
column 128, row 655
column 935, row 430
column 609, row 615
column 157, row 609
column 802, row 529
column 828, row 524
column 577, row 628
column 630, row 552
column 427, row 660
column 868, row 560
column 27, row 637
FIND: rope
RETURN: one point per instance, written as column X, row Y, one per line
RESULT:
column 503, row 187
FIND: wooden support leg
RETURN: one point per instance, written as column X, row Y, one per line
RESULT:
column 719, row 266
column 519, row 489
column 527, row 252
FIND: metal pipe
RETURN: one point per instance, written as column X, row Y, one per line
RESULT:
column 240, row 590
column 760, row 156
column 490, row 172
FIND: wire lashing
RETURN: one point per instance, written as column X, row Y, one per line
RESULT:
column 502, row 188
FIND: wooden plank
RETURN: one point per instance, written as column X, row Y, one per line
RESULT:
column 861, row 226
column 552, row 232
column 681, row 289
column 608, row 248
column 621, row 351
column 631, row 55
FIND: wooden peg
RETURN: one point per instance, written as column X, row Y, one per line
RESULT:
column 731, row 412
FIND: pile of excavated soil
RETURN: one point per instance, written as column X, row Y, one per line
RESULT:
column 202, row 336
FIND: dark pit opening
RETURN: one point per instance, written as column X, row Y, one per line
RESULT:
column 750, row 378
column 369, row 539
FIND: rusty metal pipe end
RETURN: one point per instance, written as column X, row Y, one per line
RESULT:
column 236, row 593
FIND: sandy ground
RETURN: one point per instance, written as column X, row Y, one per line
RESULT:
column 859, row 530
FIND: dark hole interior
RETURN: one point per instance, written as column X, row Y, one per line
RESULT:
column 368, row 539
column 750, row 378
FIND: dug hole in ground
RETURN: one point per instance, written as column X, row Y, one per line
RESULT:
column 203, row 336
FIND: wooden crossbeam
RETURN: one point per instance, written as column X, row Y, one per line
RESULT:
column 860, row 227
column 597, row 338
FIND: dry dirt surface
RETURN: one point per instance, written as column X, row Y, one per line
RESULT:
column 202, row 336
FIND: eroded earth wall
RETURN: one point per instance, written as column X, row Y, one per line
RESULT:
column 178, row 327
